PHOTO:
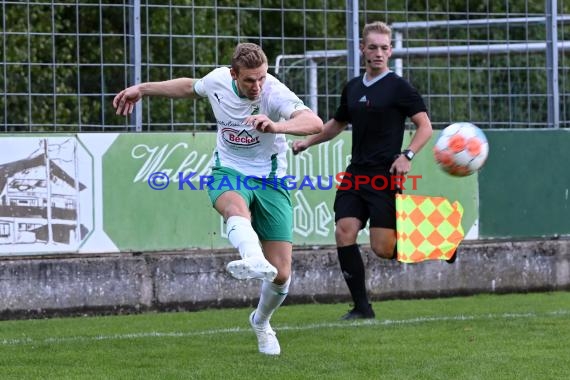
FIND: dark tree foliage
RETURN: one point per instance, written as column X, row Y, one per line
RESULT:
column 64, row 61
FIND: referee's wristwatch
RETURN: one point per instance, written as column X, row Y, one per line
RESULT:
column 409, row 154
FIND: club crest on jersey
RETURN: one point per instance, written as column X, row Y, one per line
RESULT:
column 255, row 110
column 239, row 138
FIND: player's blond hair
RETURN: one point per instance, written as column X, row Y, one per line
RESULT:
column 376, row 27
column 248, row 56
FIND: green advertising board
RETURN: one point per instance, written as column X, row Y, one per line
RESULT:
column 180, row 216
column 100, row 187
column 525, row 184
column 138, row 217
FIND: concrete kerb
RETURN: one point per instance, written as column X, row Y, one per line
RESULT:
column 194, row 280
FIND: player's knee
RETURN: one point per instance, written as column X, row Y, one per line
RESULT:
column 383, row 251
column 282, row 277
column 231, row 204
column 283, row 271
column 345, row 235
column 235, row 210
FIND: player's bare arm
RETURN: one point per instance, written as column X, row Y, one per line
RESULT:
column 402, row 165
column 331, row 129
column 423, row 131
column 301, row 123
column 124, row 101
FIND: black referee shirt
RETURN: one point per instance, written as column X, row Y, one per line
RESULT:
column 378, row 114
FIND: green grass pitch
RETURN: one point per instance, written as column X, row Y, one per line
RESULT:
column 519, row 336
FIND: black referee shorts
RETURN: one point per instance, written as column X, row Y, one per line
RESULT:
column 367, row 201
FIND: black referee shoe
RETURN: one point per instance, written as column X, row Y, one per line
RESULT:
column 359, row 314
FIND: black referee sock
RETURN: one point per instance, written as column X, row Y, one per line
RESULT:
column 352, row 268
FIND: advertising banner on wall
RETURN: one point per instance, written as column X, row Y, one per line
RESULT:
column 46, row 194
column 104, row 193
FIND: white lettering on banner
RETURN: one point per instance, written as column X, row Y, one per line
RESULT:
column 307, row 221
column 321, row 165
column 330, row 160
column 156, row 158
column 303, row 216
column 323, row 217
column 187, row 166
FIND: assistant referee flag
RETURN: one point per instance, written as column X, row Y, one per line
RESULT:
column 428, row 228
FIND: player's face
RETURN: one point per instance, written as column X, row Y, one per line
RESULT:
column 250, row 81
column 376, row 49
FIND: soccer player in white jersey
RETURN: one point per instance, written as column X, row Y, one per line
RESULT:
column 253, row 111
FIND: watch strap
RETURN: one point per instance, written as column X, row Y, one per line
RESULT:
column 409, row 154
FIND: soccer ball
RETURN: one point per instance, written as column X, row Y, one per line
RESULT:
column 461, row 149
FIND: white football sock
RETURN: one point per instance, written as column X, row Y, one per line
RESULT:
column 272, row 296
column 243, row 237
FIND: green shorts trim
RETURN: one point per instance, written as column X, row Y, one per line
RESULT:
column 267, row 199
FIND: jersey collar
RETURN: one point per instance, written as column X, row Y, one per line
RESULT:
column 369, row 83
column 234, row 87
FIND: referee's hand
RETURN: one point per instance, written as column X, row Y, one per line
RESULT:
column 401, row 166
column 299, row 146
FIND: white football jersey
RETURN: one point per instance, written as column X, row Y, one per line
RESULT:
column 239, row 146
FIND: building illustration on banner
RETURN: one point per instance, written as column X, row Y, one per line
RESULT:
column 41, row 206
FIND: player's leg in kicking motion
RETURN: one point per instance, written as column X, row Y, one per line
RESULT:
column 267, row 215
column 242, row 236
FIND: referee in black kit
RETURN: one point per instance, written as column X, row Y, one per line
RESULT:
column 376, row 104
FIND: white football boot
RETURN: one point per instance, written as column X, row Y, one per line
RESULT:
column 252, row 267
column 266, row 340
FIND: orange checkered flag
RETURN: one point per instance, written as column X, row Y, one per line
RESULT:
column 427, row 228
